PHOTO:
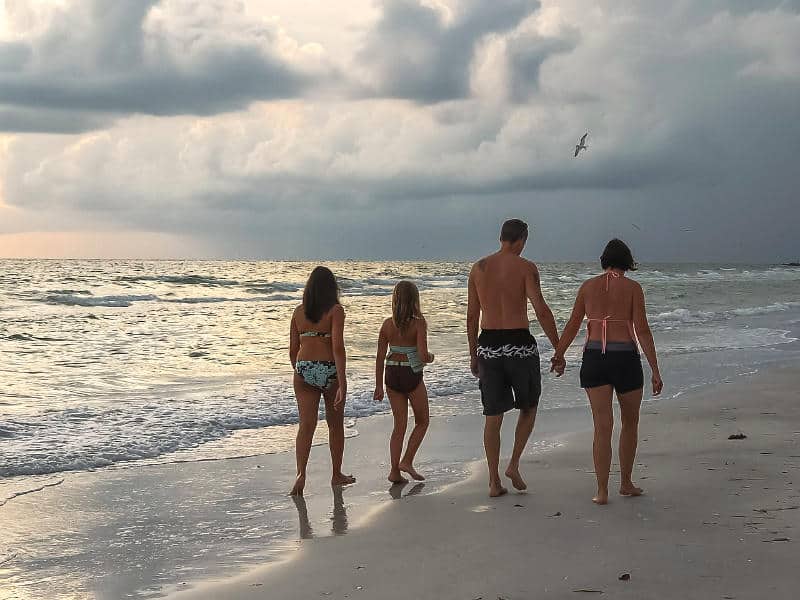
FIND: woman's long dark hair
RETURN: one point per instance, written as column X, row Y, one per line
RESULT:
column 321, row 293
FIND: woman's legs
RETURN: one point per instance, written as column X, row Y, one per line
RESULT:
column 399, row 404
column 421, row 409
column 603, row 415
column 308, row 407
column 335, row 418
column 629, row 404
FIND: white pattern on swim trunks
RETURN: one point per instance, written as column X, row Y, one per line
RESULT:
column 508, row 351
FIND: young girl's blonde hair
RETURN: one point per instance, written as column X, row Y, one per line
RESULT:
column 405, row 305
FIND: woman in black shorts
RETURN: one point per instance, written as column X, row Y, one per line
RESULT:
column 615, row 310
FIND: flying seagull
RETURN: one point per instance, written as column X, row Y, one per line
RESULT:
column 636, row 227
column 582, row 144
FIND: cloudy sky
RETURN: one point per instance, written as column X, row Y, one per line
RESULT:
column 399, row 128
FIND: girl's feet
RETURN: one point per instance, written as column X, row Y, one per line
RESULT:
column 628, row 489
column 601, row 497
column 396, row 477
column 408, row 468
column 342, row 479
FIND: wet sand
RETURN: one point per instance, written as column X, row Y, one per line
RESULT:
column 720, row 519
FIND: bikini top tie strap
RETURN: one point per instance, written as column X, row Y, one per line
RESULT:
column 609, row 275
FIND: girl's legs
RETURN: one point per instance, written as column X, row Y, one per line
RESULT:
column 629, row 404
column 335, row 418
column 308, row 407
column 603, row 414
column 420, row 407
column 399, row 403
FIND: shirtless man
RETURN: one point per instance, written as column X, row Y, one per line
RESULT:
column 505, row 357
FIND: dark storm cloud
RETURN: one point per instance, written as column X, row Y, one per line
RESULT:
column 414, row 53
column 24, row 120
column 91, row 62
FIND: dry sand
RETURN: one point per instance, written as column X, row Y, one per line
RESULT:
column 720, row 519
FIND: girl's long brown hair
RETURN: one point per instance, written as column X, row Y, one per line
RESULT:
column 405, row 305
column 321, row 293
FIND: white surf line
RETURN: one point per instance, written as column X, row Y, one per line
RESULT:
column 25, row 492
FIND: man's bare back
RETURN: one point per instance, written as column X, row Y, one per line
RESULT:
column 502, row 282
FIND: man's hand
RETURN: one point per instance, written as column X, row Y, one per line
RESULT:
column 473, row 364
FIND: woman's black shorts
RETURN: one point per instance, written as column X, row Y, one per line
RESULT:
column 621, row 369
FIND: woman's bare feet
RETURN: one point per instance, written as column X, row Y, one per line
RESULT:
column 601, row 497
column 496, row 489
column 628, row 489
column 407, row 468
column 342, row 479
column 396, row 477
column 299, row 484
column 516, row 479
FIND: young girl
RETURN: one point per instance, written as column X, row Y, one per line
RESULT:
column 405, row 338
column 316, row 349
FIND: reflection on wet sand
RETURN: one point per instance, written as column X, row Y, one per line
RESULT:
column 338, row 515
column 396, row 490
column 306, row 532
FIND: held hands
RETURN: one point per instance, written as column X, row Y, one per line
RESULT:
column 557, row 365
column 378, row 395
column 658, row 385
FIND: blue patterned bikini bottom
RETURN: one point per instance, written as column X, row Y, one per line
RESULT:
column 320, row 374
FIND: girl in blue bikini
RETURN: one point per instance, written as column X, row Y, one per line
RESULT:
column 402, row 354
column 317, row 352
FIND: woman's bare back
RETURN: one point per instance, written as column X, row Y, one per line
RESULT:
column 609, row 297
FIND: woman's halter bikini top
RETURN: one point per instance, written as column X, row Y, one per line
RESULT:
column 609, row 275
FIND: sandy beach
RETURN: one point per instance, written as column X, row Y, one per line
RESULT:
column 719, row 519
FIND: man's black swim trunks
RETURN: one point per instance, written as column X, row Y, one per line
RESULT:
column 508, row 370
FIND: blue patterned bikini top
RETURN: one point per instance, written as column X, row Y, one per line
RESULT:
column 321, row 334
column 411, row 352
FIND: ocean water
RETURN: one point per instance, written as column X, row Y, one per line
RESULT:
column 106, row 363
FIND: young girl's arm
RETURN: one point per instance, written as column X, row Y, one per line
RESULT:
column 380, row 360
column 422, row 342
column 294, row 341
column 339, row 353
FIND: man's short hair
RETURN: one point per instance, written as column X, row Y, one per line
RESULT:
column 514, row 230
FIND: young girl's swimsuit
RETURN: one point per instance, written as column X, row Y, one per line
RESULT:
column 320, row 374
column 617, row 364
column 404, row 376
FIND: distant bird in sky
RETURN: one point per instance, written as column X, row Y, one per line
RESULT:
column 582, row 144
column 636, row 227
column 687, row 229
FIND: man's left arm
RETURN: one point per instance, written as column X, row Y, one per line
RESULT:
column 545, row 316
